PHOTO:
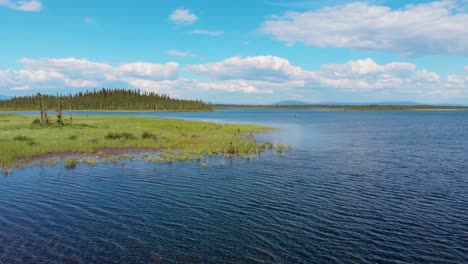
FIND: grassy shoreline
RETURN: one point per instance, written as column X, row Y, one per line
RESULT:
column 22, row 139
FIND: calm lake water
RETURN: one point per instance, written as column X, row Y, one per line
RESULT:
column 358, row 187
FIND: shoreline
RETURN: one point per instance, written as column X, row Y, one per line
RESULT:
column 23, row 141
column 345, row 108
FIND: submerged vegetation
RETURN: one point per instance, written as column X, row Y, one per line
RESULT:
column 104, row 99
column 22, row 139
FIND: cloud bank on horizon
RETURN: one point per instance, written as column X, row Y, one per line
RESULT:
column 355, row 51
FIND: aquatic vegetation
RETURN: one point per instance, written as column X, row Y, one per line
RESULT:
column 282, row 148
column 70, row 163
column 90, row 161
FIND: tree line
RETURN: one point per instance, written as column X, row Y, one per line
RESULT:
column 105, row 99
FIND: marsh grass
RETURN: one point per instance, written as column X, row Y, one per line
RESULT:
column 121, row 136
column 28, row 140
column 20, row 140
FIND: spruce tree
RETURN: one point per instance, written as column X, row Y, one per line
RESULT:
column 60, row 112
column 41, row 106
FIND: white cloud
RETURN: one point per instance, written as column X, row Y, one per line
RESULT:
column 183, row 16
column 24, row 5
column 466, row 68
column 169, row 87
column 258, row 74
column 207, row 32
column 368, row 66
column 41, row 79
column 21, row 88
column 151, row 71
column 428, row 28
column 178, row 53
column 72, row 67
column 457, row 81
column 263, row 68
column 89, row 20
column 64, row 73
column 267, row 76
column 396, row 77
column 249, row 86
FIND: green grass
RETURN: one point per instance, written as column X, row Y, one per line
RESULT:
column 22, row 138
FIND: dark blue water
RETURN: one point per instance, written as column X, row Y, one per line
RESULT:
column 358, row 187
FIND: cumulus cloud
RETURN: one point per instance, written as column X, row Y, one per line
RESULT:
column 52, row 73
column 263, row 75
column 178, row 53
column 367, row 74
column 183, row 16
column 18, row 80
column 427, row 28
column 272, row 74
column 263, row 68
column 27, row 6
column 207, row 32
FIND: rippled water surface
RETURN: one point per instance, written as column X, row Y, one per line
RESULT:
column 358, row 187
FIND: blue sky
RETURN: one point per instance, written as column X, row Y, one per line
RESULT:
column 255, row 51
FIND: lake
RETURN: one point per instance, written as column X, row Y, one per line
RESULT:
column 358, row 187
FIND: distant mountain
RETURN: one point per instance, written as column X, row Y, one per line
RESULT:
column 406, row 103
column 291, row 102
column 294, row 102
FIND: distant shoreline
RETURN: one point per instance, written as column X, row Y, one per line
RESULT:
column 277, row 107
column 344, row 107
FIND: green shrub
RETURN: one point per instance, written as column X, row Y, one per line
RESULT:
column 36, row 121
column 30, row 141
column 72, row 137
column 22, row 138
column 149, row 135
column 121, row 136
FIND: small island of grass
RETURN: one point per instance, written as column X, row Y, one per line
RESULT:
column 24, row 138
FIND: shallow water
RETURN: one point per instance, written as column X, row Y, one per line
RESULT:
column 358, row 187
